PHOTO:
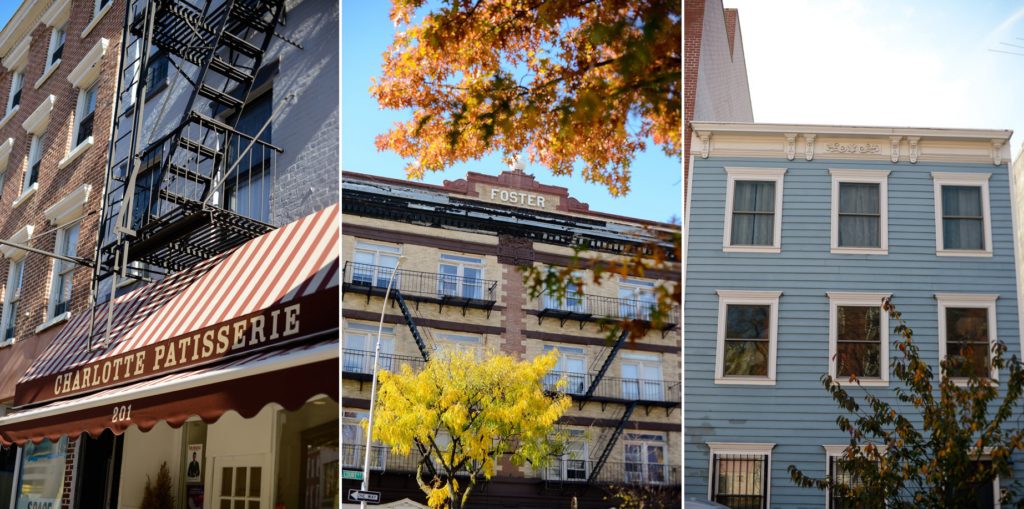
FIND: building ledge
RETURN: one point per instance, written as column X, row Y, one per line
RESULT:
column 96, row 19
column 75, row 153
column 26, row 195
column 63, row 317
column 49, row 72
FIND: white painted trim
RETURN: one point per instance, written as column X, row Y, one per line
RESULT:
column 10, row 114
column 880, row 177
column 57, row 13
column 17, row 476
column 725, row 448
column 216, row 375
column 25, row 195
column 836, row 299
column 745, row 297
column 985, row 135
column 77, row 151
column 966, row 300
column 49, row 72
column 96, row 19
column 88, row 69
column 1018, row 237
column 69, row 208
column 735, row 174
column 36, row 122
column 962, row 179
column 18, row 56
column 63, row 317
column 22, row 236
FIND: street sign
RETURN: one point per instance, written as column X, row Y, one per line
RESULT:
column 370, row 497
column 352, row 474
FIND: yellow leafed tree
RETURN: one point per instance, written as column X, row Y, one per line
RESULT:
column 466, row 413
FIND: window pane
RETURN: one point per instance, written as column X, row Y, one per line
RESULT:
column 858, row 323
column 963, row 234
column 747, row 321
column 857, row 198
column 739, row 481
column 860, row 231
column 961, row 201
column 861, row 359
column 746, row 358
column 753, row 229
column 240, row 481
column 967, row 324
column 964, row 359
column 226, row 476
column 752, row 196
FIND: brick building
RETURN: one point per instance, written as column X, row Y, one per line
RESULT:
column 55, row 88
column 211, row 165
column 715, row 84
column 461, row 287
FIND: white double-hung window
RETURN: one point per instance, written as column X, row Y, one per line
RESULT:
column 858, row 337
column 63, row 270
column 461, row 276
column 374, row 263
column 747, row 331
column 12, row 298
column 572, row 366
column 967, row 332
column 753, row 210
column 860, row 211
column 963, row 224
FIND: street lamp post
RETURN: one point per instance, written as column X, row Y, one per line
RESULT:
column 373, row 385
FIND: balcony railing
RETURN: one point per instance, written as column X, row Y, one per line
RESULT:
column 616, row 389
column 422, row 286
column 361, row 362
column 579, row 471
column 382, row 459
column 575, row 306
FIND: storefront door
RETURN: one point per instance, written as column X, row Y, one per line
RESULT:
column 99, row 469
column 241, row 482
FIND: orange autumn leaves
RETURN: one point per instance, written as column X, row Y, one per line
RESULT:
column 559, row 81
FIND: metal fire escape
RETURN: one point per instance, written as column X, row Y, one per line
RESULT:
column 610, row 445
column 166, row 204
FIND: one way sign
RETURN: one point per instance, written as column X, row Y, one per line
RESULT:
column 370, row 497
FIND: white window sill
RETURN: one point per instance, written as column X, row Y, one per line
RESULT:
column 751, row 249
column 963, row 252
column 42, row 79
column 743, row 381
column 25, row 196
column 845, row 381
column 75, row 153
column 860, row 250
column 96, row 19
column 6, row 343
column 10, row 114
column 63, row 317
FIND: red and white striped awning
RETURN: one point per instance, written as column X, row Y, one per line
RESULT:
column 271, row 292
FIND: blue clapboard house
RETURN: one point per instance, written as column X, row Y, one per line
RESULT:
column 795, row 234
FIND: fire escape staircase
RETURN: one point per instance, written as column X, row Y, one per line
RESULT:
column 607, row 451
column 604, row 368
column 163, row 205
column 407, row 315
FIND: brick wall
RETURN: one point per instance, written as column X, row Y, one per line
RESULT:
column 692, row 31
column 56, row 183
column 69, row 475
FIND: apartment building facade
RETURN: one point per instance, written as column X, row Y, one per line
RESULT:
column 460, row 287
column 795, row 234
column 213, row 214
column 55, row 86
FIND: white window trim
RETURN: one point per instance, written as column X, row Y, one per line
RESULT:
column 10, row 114
column 962, row 179
column 36, row 122
column 51, row 301
column 836, row 299
column 716, row 448
column 880, row 177
column 762, row 298
column 79, row 149
column 5, row 152
column 97, row 16
column 758, row 174
column 35, row 148
column 8, row 295
column 51, row 67
column 16, row 59
column 70, row 208
column 966, row 300
column 85, row 74
column 12, row 110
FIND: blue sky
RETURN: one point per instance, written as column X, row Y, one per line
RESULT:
column 878, row 62
column 366, row 32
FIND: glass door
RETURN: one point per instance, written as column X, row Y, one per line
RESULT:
column 645, row 458
column 641, row 380
column 241, row 482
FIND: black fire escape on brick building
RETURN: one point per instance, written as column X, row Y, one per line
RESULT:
column 184, row 190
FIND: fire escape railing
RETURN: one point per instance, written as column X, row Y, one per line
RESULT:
column 585, row 307
column 568, row 470
column 417, row 286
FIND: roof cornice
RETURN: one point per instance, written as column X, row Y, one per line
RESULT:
column 807, row 141
column 22, row 22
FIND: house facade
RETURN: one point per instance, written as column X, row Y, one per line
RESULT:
column 461, row 287
column 795, row 234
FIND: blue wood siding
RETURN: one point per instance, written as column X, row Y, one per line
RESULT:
column 796, row 413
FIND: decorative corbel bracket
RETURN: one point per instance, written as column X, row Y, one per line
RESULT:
column 705, row 141
column 894, row 148
column 790, row 146
column 809, row 146
column 997, row 152
column 914, row 149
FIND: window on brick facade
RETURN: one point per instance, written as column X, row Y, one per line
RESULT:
column 374, row 263
column 571, row 366
column 14, row 98
column 56, row 46
column 60, row 286
column 35, row 157
column 247, row 189
column 460, row 276
column 12, row 297
column 84, row 113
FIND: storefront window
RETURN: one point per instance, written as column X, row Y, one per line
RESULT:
column 308, row 457
column 41, row 481
column 193, row 467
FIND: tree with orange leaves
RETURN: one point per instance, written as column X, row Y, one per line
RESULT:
column 562, row 81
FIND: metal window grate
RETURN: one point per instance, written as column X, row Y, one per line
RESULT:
column 740, row 481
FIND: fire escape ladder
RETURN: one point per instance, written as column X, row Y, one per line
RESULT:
column 607, row 363
column 412, row 324
column 607, row 451
column 157, row 207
